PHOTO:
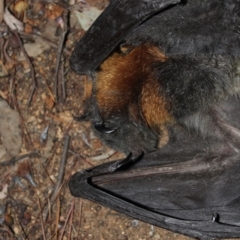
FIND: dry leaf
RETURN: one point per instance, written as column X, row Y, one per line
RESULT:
column 4, row 94
column 12, row 138
column 9, row 66
column 20, row 7
column 54, row 11
column 12, row 22
column 34, row 49
column 37, row 7
column 87, row 16
column 44, row 135
column 49, row 102
column 28, row 28
column 3, row 193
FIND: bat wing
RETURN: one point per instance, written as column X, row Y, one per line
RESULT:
column 183, row 191
column 194, row 27
column 118, row 19
column 190, row 186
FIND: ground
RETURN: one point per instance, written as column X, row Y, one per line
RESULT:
column 35, row 202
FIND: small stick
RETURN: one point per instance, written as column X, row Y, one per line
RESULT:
column 80, row 213
column 7, row 57
column 1, row 10
column 3, row 67
column 44, row 236
column 1, row 49
column 34, row 82
column 17, row 158
column 67, row 129
column 69, row 213
column 34, row 36
column 5, row 228
column 62, row 166
column 24, row 235
column 6, row 76
column 57, row 218
column 82, row 157
column 63, row 83
column 61, row 172
column 59, row 53
column 71, row 221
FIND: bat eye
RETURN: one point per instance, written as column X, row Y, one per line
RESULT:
column 103, row 129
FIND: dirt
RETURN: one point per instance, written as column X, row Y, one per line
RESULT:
column 27, row 210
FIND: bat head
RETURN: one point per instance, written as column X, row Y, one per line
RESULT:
column 128, row 97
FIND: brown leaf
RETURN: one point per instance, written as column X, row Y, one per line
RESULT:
column 28, row 28
column 49, row 102
column 20, row 7
column 54, row 11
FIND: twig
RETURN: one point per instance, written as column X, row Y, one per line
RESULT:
column 69, row 213
column 80, row 213
column 58, row 143
column 82, row 157
column 61, row 92
column 5, row 228
column 34, row 82
column 103, row 156
column 16, row 159
column 59, row 53
column 8, row 58
column 34, row 36
column 61, row 172
column 1, row 10
column 24, row 235
column 71, row 221
column 63, row 84
column 12, row 89
column 62, row 165
column 43, row 231
column 6, row 76
column 57, row 218
column 1, row 49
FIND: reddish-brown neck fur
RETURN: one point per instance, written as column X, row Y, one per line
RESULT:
column 127, row 82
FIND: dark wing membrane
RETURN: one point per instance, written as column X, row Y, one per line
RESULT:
column 118, row 19
column 198, row 197
column 196, row 27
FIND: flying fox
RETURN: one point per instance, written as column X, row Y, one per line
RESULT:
column 165, row 76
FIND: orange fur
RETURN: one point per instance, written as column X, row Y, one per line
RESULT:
column 154, row 106
column 126, row 82
column 87, row 88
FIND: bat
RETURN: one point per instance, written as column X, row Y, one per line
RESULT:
column 166, row 70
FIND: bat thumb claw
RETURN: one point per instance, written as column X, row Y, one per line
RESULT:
column 125, row 163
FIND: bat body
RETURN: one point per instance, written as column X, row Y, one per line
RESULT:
column 173, row 75
column 174, row 69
